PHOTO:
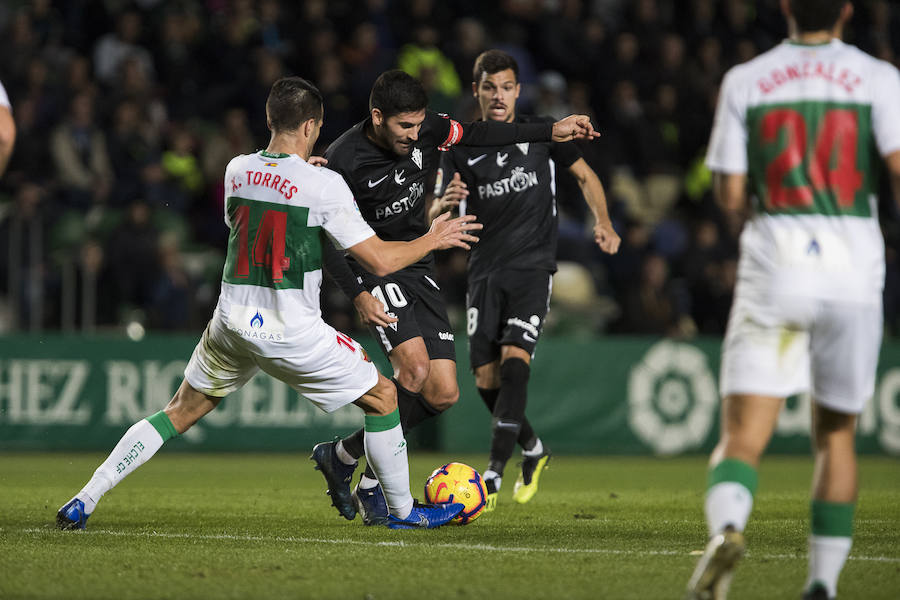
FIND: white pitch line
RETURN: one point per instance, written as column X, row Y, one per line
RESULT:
column 446, row 545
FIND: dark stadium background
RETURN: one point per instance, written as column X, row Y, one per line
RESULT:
column 127, row 112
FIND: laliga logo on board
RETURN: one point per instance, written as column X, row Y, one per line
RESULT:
column 672, row 398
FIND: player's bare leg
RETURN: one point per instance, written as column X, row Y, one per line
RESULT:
column 747, row 425
column 834, row 490
column 137, row 446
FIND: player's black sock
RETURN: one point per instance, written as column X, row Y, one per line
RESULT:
column 509, row 412
column 413, row 410
column 490, row 397
column 527, row 437
column 413, row 407
column 353, row 443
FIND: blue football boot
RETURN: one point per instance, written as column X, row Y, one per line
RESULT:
column 371, row 505
column 426, row 516
column 72, row 515
column 337, row 476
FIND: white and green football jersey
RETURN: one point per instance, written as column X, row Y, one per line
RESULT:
column 807, row 124
column 277, row 208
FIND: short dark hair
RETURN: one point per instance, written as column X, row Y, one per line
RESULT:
column 396, row 92
column 816, row 15
column 291, row 102
column 494, row 61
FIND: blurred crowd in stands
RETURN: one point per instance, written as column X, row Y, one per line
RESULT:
column 128, row 111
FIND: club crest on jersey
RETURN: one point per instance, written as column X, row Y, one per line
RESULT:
column 271, row 164
column 399, row 179
column 417, row 157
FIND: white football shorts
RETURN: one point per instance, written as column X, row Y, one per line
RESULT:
column 785, row 345
column 332, row 371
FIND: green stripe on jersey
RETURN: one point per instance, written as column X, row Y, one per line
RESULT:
column 812, row 158
column 270, row 244
column 376, row 423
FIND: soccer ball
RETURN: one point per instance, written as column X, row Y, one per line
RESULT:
column 456, row 482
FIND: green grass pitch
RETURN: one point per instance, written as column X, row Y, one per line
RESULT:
column 259, row 526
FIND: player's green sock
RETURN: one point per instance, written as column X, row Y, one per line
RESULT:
column 139, row 443
column 829, row 544
column 386, row 452
column 729, row 495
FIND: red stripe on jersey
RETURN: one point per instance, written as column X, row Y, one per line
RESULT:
column 453, row 137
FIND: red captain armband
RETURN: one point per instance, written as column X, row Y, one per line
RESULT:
column 455, row 135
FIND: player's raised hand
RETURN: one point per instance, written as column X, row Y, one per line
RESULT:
column 456, row 191
column 449, row 233
column 574, row 127
column 606, row 237
column 372, row 311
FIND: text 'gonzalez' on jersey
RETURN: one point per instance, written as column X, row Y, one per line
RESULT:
column 802, row 122
column 390, row 189
column 512, row 191
column 806, row 124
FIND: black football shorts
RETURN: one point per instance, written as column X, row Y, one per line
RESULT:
column 506, row 308
column 414, row 298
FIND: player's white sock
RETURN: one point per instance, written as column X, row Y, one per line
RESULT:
column 829, row 542
column 729, row 495
column 342, row 454
column 386, row 452
column 726, row 504
column 491, row 474
column 536, row 451
column 826, row 559
column 139, row 443
column 367, row 483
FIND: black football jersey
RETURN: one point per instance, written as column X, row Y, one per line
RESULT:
column 390, row 189
column 512, row 191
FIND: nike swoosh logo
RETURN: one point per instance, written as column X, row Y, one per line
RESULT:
column 374, row 183
column 528, row 337
column 472, row 161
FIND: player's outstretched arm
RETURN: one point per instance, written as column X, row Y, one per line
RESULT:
column 574, row 127
column 382, row 258
column 592, row 190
